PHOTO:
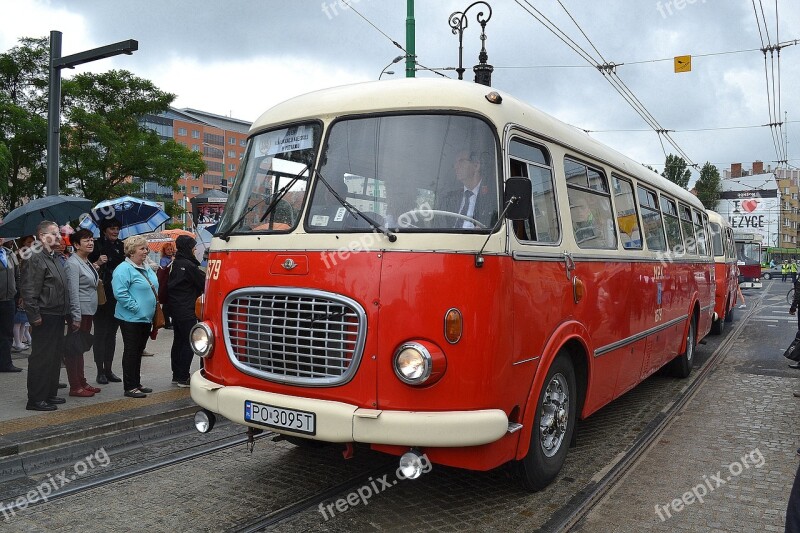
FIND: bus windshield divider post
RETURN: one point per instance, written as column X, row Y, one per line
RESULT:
column 479, row 256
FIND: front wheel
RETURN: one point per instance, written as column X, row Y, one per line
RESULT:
column 766, row 275
column 552, row 429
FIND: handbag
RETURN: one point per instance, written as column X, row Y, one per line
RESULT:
column 158, row 316
column 793, row 351
column 78, row 342
column 101, row 293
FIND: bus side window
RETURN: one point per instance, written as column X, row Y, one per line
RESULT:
column 651, row 220
column 700, row 231
column 532, row 161
column 590, row 206
column 689, row 237
column 627, row 218
column 672, row 224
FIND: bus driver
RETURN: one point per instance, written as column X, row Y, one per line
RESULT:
column 476, row 199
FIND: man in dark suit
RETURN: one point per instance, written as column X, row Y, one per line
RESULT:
column 477, row 197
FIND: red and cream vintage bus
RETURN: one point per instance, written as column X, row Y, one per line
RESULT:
column 748, row 256
column 431, row 267
column 727, row 274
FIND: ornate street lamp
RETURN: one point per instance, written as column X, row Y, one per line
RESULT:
column 458, row 23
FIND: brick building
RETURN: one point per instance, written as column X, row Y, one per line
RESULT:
column 220, row 139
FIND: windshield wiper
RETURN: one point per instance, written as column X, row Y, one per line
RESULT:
column 356, row 211
column 275, row 198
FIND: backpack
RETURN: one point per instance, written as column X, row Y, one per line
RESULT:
column 162, row 275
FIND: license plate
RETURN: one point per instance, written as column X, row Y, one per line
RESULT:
column 280, row 418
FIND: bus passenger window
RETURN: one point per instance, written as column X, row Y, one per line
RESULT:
column 651, row 220
column 672, row 224
column 688, row 230
column 700, row 232
column 531, row 161
column 590, row 207
column 627, row 219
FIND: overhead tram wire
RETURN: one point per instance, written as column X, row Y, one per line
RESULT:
column 690, row 130
column 773, row 95
column 398, row 45
column 609, row 73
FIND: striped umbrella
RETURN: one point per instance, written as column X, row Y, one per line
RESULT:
column 136, row 216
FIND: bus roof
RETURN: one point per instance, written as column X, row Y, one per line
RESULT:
column 716, row 218
column 430, row 94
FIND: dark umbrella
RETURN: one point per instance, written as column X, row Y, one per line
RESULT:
column 60, row 209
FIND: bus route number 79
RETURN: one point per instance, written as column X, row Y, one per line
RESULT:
column 214, row 266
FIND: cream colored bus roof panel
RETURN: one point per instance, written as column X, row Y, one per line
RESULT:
column 429, row 94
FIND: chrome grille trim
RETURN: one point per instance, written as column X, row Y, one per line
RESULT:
column 295, row 336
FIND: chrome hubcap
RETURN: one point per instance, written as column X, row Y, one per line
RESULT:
column 554, row 418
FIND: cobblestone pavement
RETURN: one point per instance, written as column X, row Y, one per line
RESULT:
column 233, row 487
column 745, row 409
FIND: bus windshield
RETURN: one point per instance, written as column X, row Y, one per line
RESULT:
column 275, row 171
column 407, row 173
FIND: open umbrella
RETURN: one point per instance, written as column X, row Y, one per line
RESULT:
column 60, row 209
column 136, row 216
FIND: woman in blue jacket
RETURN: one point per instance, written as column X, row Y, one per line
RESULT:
column 135, row 288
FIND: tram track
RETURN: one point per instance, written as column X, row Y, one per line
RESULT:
column 571, row 514
column 80, row 485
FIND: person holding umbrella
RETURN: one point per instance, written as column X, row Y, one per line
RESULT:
column 107, row 255
column 44, row 293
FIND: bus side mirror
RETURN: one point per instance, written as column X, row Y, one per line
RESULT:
column 518, row 189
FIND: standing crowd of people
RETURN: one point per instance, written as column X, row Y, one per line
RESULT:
column 78, row 300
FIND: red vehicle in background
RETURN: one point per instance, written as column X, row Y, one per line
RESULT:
column 724, row 250
column 748, row 259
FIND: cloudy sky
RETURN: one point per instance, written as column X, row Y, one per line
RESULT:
column 239, row 57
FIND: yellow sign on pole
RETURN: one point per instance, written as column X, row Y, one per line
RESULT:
column 683, row 64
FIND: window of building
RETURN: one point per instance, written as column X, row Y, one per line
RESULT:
column 533, row 162
column 243, row 142
column 216, row 140
column 651, row 219
column 195, row 189
column 195, row 148
column 181, row 131
column 590, row 206
column 232, row 140
column 231, row 153
column 195, row 134
column 232, row 167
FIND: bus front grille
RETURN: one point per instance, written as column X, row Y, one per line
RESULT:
column 294, row 336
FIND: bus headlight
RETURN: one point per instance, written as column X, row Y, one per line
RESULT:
column 201, row 339
column 417, row 363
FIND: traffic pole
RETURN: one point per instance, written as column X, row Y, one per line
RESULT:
column 411, row 58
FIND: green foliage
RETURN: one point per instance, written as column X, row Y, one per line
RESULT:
column 23, row 122
column 709, row 186
column 676, row 170
column 105, row 142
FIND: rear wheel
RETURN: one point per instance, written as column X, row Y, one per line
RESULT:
column 729, row 314
column 718, row 326
column 681, row 366
column 553, row 426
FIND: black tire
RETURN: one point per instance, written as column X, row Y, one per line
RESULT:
column 681, row 366
column 729, row 315
column 766, row 275
column 546, row 455
column 718, row 326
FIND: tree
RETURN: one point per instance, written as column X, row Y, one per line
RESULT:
column 105, row 144
column 23, row 122
column 709, row 186
column 676, row 170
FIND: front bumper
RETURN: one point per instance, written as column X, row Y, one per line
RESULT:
column 342, row 422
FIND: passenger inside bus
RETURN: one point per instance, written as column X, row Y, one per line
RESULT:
column 476, row 197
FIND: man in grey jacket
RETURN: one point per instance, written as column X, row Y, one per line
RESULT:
column 9, row 281
column 44, row 293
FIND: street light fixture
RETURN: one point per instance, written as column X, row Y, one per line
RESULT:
column 458, row 23
column 395, row 60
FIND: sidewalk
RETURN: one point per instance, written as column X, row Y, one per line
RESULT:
column 22, row 430
column 727, row 462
